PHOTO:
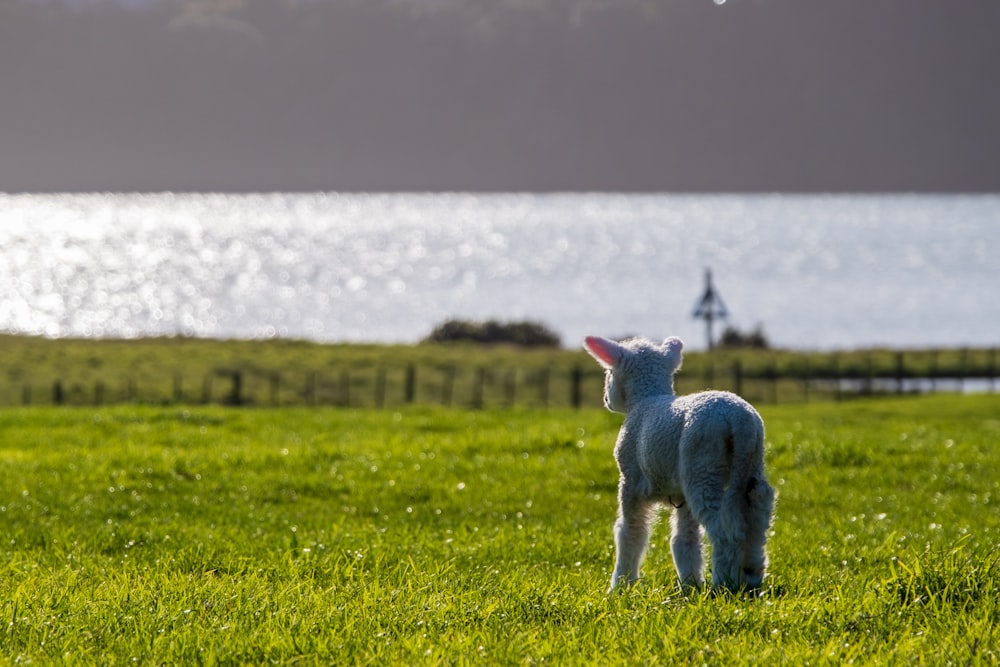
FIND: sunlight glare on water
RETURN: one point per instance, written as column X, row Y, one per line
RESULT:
column 815, row 271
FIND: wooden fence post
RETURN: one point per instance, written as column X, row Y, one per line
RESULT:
column 380, row 387
column 447, row 385
column 310, row 388
column 963, row 368
column 236, row 391
column 836, row 377
column 478, row 384
column 57, row 393
column 576, row 389
column 992, row 370
column 410, row 386
column 805, row 381
column 934, row 370
column 772, row 375
column 737, row 371
column 345, row 388
column 900, row 373
column 869, row 383
column 510, row 387
column 543, row 386
column 275, row 388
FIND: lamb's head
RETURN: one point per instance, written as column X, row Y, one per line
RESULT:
column 636, row 368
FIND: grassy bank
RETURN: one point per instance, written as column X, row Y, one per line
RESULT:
column 207, row 535
column 287, row 373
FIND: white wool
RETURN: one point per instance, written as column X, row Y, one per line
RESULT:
column 701, row 454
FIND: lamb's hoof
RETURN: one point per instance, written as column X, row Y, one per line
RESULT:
column 739, row 591
column 692, row 588
column 622, row 583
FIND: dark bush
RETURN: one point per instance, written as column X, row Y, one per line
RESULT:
column 526, row 334
column 734, row 338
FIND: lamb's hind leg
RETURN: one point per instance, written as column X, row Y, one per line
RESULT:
column 686, row 547
column 760, row 505
column 737, row 530
column 712, row 506
column 631, row 536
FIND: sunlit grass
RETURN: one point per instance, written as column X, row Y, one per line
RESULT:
column 424, row 536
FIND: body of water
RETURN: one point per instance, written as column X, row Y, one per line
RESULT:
column 815, row 271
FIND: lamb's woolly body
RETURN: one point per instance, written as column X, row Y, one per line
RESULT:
column 702, row 454
column 652, row 451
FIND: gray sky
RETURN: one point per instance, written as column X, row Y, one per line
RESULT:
column 667, row 95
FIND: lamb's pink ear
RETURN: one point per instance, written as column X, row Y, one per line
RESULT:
column 607, row 352
column 672, row 347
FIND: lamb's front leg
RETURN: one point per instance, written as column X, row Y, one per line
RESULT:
column 631, row 536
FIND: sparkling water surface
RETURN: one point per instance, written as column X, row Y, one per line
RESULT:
column 815, row 271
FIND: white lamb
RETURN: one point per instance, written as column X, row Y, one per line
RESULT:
column 702, row 454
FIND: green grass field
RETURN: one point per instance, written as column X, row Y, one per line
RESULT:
column 210, row 535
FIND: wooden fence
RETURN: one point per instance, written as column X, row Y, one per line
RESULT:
column 378, row 387
column 482, row 387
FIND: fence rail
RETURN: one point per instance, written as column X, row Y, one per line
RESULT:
column 480, row 387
